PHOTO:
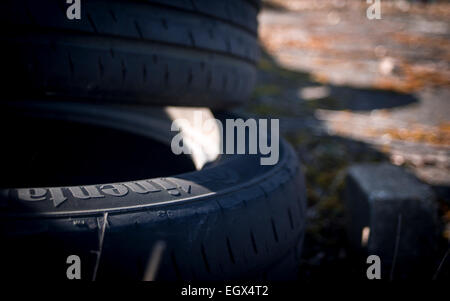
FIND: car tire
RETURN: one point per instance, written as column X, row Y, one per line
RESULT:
column 233, row 219
column 157, row 52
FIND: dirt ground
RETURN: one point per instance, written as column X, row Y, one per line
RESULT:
column 348, row 89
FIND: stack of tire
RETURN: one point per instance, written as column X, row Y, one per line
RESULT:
column 86, row 160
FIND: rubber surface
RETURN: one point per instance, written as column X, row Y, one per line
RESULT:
column 234, row 219
column 163, row 52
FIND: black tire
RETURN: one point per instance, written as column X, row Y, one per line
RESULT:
column 160, row 52
column 234, row 219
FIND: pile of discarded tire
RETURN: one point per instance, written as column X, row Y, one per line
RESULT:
column 87, row 112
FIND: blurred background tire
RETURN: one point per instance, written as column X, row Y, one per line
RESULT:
column 232, row 219
column 158, row 52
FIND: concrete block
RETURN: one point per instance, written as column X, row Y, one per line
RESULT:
column 393, row 215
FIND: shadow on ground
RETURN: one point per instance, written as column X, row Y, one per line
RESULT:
column 301, row 91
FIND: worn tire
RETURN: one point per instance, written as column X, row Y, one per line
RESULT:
column 159, row 52
column 234, row 219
